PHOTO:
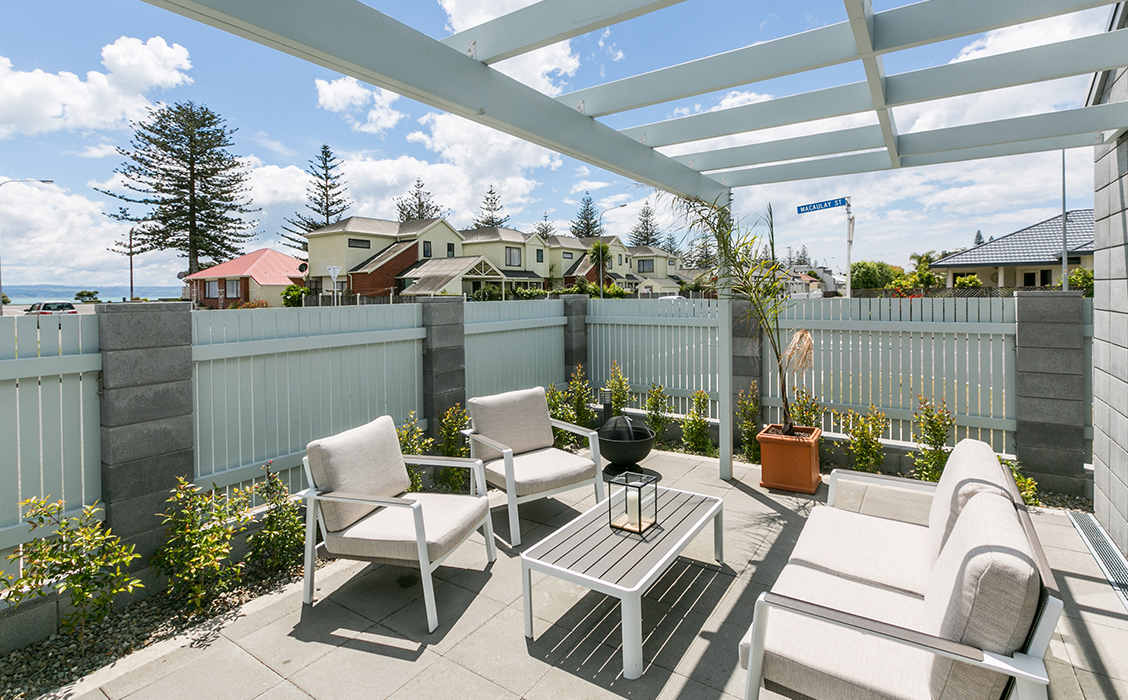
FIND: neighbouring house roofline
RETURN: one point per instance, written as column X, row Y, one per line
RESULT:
column 1038, row 244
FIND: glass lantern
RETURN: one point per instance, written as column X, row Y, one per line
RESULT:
column 633, row 505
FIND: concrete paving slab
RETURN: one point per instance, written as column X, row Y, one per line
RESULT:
column 304, row 635
column 499, row 651
column 679, row 687
column 1096, row 648
column 225, row 668
column 446, row 679
column 378, row 592
column 1095, row 686
column 372, row 666
column 1085, row 590
column 284, row 691
column 460, row 613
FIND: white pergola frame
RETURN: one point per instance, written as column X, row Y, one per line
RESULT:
column 454, row 74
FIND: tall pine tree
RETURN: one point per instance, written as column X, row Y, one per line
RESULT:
column 417, row 204
column 646, row 232
column 191, row 189
column 586, row 224
column 491, row 212
column 325, row 197
column 670, row 245
column 978, row 238
column 544, row 227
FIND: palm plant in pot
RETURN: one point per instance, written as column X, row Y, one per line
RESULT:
column 748, row 270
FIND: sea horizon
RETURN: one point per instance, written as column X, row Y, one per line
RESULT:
column 24, row 294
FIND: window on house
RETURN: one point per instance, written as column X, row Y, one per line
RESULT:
column 1029, row 279
column 1074, row 260
column 646, row 266
column 620, row 258
column 359, row 243
column 1047, row 278
column 567, row 255
column 540, row 254
column 211, row 289
column 450, row 250
column 231, row 290
column 512, row 257
column 426, row 249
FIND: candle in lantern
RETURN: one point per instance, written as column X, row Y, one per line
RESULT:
column 634, row 512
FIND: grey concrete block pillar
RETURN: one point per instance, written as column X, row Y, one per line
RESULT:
column 745, row 352
column 146, row 414
column 1050, row 388
column 444, row 358
column 575, row 332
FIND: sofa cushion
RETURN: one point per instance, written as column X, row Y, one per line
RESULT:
column 972, row 468
column 542, row 470
column 516, row 419
column 983, row 591
column 821, row 660
column 365, row 460
column 389, row 532
column 885, row 552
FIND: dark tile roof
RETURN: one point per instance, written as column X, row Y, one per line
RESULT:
column 1037, row 244
column 521, row 274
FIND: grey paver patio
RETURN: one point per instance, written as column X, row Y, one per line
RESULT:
column 366, row 636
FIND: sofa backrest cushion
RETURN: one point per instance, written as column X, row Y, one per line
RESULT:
column 516, row 419
column 983, row 591
column 972, row 468
column 365, row 460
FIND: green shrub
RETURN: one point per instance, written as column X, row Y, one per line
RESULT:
column 1026, row 485
column 806, row 409
column 82, row 557
column 579, row 396
column 196, row 553
column 748, row 420
column 529, row 293
column 934, row 424
column 277, row 545
column 292, row 296
column 865, row 431
column 1080, row 280
column 657, row 411
column 695, row 427
column 453, row 444
column 487, row 292
column 413, row 441
column 620, row 390
column 968, row 282
column 86, row 295
column 560, row 408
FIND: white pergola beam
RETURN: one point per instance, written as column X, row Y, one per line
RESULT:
column 862, row 138
column 998, row 150
column 353, row 38
column 809, row 169
column 545, row 23
column 897, row 29
column 1089, row 54
column 861, row 17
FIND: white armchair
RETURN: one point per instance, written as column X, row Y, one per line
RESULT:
column 358, row 482
column 512, row 434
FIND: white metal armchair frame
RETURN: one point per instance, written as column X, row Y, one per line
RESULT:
column 314, row 519
column 513, row 500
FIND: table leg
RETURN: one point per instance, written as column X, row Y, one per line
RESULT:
column 527, row 597
column 632, row 636
column 719, row 536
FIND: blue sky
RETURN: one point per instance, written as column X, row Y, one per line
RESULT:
column 73, row 73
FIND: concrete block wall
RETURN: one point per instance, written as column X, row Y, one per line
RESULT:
column 1050, row 390
column 444, row 358
column 746, row 356
column 1110, row 326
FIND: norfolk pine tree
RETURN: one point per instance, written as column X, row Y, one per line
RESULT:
column 325, row 197
column 192, row 189
column 491, row 212
column 646, row 232
column 586, row 224
column 544, row 227
column 978, row 238
column 417, row 204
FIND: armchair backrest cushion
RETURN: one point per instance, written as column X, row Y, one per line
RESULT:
column 516, row 419
column 983, row 591
column 365, row 460
column 972, row 468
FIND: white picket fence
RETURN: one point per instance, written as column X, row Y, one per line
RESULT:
column 50, row 434
column 887, row 352
column 513, row 345
column 670, row 342
column 268, row 381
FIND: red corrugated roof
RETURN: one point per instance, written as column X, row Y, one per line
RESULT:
column 266, row 266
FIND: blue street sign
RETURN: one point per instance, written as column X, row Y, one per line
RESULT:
column 828, row 204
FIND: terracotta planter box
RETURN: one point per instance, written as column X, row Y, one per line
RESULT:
column 790, row 462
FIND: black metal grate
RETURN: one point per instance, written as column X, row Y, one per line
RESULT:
column 1109, row 558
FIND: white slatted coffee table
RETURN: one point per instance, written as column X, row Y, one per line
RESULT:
column 589, row 552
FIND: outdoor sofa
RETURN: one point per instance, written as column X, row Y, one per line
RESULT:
column 866, row 607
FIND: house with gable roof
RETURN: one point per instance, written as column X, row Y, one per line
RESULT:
column 521, row 258
column 257, row 276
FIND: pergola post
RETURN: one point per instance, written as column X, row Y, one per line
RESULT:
column 724, row 366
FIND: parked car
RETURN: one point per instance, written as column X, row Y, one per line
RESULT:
column 50, row 308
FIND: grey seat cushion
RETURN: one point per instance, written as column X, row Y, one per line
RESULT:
column 516, row 419
column 542, row 470
column 389, row 532
column 365, row 460
column 972, row 468
column 983, row 591
column 885, row 552
column 821, row 660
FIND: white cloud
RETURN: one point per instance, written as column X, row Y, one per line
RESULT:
column 587, row 186
column 739, row 98
column 1046, row 31
column 612, row 51
column 36, row 102
column 263, row 139
column 100, row 151
column 270, row 184
column 583, row 171
column 347, row 97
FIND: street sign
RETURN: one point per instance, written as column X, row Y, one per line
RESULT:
column 828, row 204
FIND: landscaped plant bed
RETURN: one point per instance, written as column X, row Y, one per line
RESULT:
column 44, row 666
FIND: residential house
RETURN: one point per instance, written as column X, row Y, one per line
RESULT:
column 455, row 275
column 656, row 270
column 1030, row 257
column 565, row 257
column 522, row 258
column 257, row 276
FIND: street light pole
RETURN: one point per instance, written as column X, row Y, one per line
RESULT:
column 8, row 182
column 599, row 239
